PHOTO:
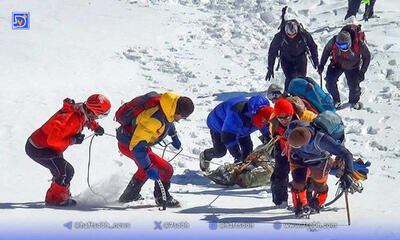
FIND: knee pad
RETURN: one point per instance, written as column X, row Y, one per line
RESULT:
column 320, row 187
column 298, row 186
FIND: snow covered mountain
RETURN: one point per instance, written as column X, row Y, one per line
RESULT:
column 209, row 50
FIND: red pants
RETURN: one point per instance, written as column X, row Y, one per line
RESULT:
column 164, row 168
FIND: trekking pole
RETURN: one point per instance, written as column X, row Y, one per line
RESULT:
column 163, row 195
column 109, row 135
column 320, row 81
column 279, row 62
column 346, row 197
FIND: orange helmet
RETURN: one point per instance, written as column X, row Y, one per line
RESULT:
column 98, row 104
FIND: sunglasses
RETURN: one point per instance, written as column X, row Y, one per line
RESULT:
column 343, row 46
column 284, row 118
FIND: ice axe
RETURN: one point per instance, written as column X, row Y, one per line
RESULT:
column 346, row 197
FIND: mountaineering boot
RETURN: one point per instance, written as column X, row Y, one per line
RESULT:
column 357, row 105
column 283, row 205
column 317, row 201
column 59, row 195
column 171, row 202
column 301, row 208
column 204, row 163
column 132, row 191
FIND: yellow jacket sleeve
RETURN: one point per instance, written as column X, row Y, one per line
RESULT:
column 147, row 128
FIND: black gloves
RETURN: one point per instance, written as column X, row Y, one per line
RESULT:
column 99, row 131
column 346, row 180
column 270, row 74
column 361, row 76
column 78, row 138
column 320, row 69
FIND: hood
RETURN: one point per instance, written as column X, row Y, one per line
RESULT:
column 256, row 103
column 69, row 105
column 168, row 104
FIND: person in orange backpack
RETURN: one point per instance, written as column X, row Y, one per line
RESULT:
column 47, row 144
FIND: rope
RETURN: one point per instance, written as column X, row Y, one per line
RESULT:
column 215, row 199
column 88, row 171
column 176, row 154
column 88, row 136
column 163, row 193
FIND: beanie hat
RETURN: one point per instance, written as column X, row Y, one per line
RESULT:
column 283, row 107
column 274, row 91
column 299, row 137
column 343, row 37
column 264, row 112
column 184, row 107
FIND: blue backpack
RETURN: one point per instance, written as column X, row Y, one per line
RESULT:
column 330, row 123
column 309, row 89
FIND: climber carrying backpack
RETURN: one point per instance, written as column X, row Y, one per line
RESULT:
column 349, row 55
column 293, row 43
column 310, row 146
column 145, row 121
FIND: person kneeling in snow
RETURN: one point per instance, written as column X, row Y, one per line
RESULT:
column 231, row 124
column 309, row 155
column 47, row 144
column 147, row 128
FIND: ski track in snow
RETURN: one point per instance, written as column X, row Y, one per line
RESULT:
column 210, row 51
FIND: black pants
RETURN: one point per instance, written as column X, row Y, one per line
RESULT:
column 61, row 170
column 353, row 81
column 353, row 6
column 369, row 9
column 280, row 177
column 294, row 69
column 219, row 150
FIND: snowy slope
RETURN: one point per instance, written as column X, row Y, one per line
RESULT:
column 210, row 51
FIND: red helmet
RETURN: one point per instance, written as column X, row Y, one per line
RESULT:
column 98, row 104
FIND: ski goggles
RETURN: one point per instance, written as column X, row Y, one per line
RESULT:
column 103, row 115
column 284, row 118
column 343, row 46
column 92, row 115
